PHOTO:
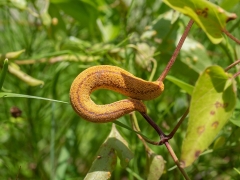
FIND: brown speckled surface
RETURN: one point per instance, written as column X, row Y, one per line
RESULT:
column 116, row 79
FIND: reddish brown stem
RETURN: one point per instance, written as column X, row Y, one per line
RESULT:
column 176, row 52
column 178, row 124
column 236, row 74
column 164, row 137
column 153, row 124
column 232, row 65
column 231, row 36
column 170, row 150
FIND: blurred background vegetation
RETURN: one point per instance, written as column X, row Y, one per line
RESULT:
column 61, row 38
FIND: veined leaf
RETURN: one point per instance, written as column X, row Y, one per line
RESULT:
column 210, row 17
column 212, row 104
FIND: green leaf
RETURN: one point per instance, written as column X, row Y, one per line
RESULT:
column 237, row 170
column 82, row 11
column 106, row 159
column 228, row 5
column 155, row 165
column 3, row 73
column 109, row 31
column 103, row 165
column 210, row 17
column 186, row 87
column 236, row 114
column 236, row 122
column 219, row 143
column 116, row 141
column 212, row 104
column 7, row 95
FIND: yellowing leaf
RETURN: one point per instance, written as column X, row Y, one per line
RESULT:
column 210, row 17
column 11, row 55
column 212, row 104
column 15, row 70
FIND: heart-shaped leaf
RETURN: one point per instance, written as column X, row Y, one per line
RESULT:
column 212, row 104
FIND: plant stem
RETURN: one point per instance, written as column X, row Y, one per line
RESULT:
column 231, row 36
column 136, row 128
column 153, row 69
column 170, row 150
column 232, row 65
column 178, row 124
column 164, row 139
column 236, row 74
column 153, row 124
column 176, row 52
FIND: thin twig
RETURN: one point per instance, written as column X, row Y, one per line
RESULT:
column 177, row 50
column 232, row 65
column 170, row 150
column 163, row 137
column 235, row 75
column 164, row 140
column 231, row 36
column 153, row 124
column 178, row 124
column 136, row 128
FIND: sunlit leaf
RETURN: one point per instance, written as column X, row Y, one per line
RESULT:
column 212, row 104
column 210, row 17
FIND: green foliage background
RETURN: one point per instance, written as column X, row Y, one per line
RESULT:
column 62, row 38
